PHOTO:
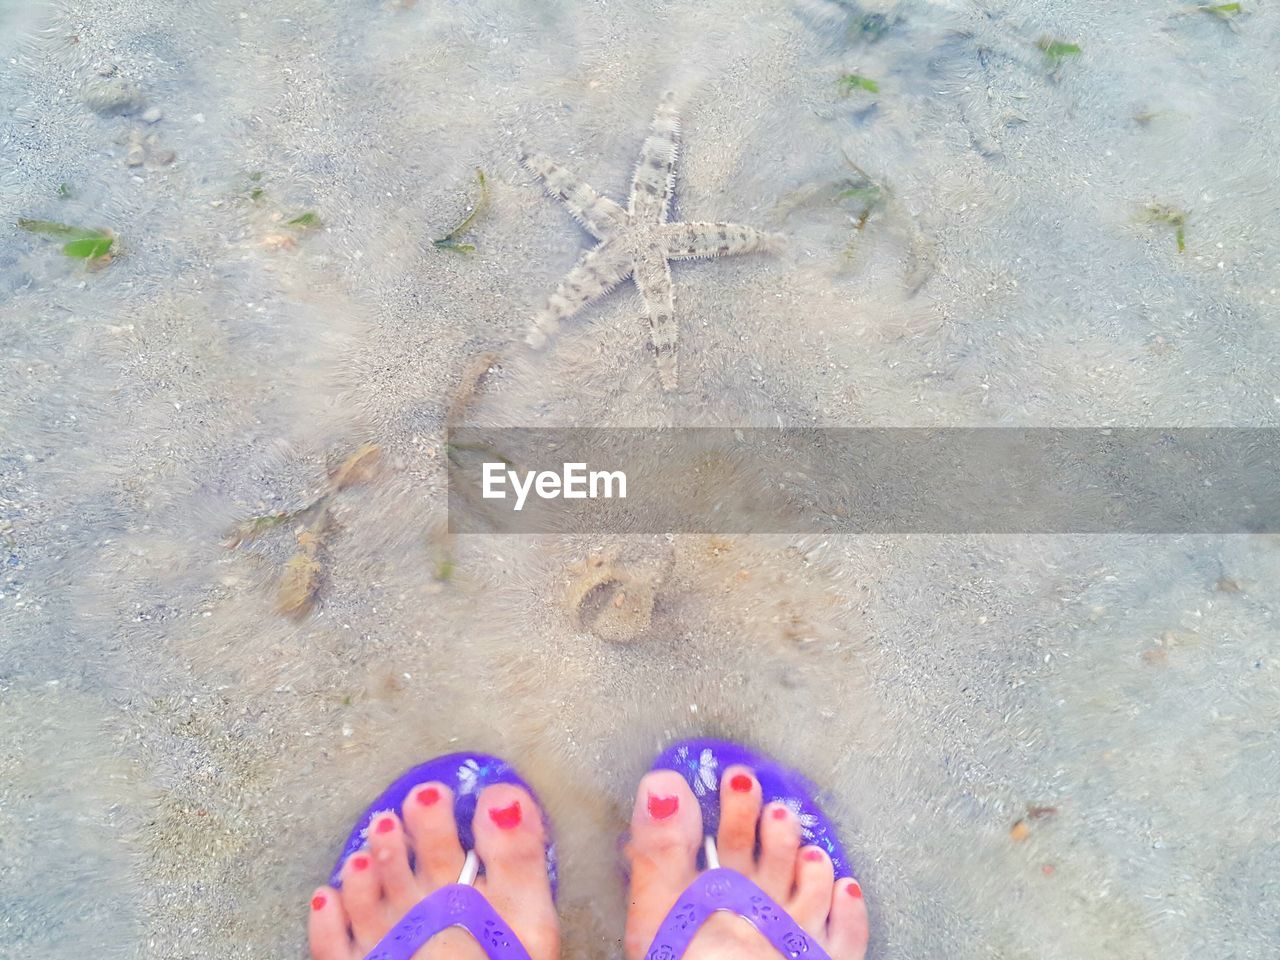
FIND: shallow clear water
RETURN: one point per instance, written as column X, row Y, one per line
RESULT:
column 180, row 760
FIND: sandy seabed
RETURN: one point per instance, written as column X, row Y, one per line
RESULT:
column 180, row 760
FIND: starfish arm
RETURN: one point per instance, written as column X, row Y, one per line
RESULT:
column 653, row 277
column 600, row 215
column 684, row 241
column 595, row 274
column 654, row 181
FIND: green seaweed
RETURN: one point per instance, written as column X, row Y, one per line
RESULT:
column 869, row 195
column 1171, row 216
column 257, row 525
column 849, row 82
column 1056, row 51
column 304, row 221
column 251, row 528
column 857, row 197
column 83, row 243
column 65, row 192
column 88, row 248
column 450, row 240
column 49, row 228
column 864, row 26
column 862, row 193
column 444, row 569
column 1223, row 11
column 356, row 469
column 453, row 245
column 869, row 27
column 254, row 186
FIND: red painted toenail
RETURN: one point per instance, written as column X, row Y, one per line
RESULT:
column 660, row 808
column 318, row 901
column 506, row 818
column 359, row 862
column 429, row 796
column 779, row 813
column 813, row 856
column 740, row 782
column 385, row 825
column 855, row 890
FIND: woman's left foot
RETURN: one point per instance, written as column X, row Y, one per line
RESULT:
column 763, row 843
column 379, row 886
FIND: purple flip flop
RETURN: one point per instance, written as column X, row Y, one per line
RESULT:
column 702, row 763
column 459, row 904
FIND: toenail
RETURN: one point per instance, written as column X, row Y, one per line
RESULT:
column 854, row 889
column 779, row 813
column 813, row 856
column 359, row 862
column 318, row 901
column 740, row 782
column 660, row 808
column 506, row 818
column 385, row 825
column 429, row 796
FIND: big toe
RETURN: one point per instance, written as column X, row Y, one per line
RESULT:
column 511, row 842
column 666, row 833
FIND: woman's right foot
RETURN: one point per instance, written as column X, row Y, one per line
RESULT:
column 666, row 837
column 415, row 852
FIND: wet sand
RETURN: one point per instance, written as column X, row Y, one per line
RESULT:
column 184, row 759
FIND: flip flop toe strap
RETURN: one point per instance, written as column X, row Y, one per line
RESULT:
column 457, row 905
column 725, row 889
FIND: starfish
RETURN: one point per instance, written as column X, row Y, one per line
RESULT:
column 636, row 242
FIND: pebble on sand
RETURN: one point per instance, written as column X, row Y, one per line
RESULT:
column 300, row 581
column 279, row 241
column 153, row 115
column 611, row 600
column 298, row 585
column 113, row 97
column 1155, row 657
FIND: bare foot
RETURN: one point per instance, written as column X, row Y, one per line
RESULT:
column 379, row 886
column 666, row 835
